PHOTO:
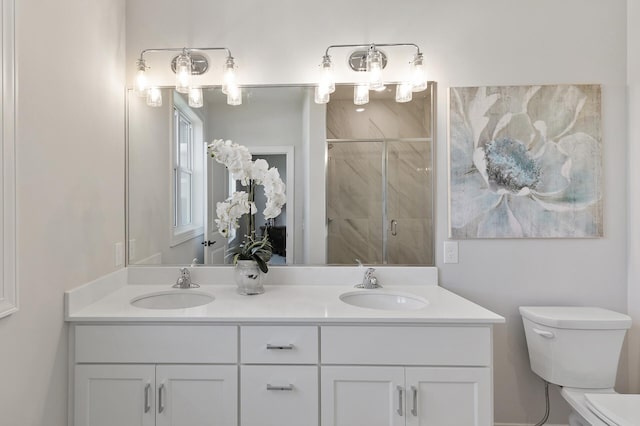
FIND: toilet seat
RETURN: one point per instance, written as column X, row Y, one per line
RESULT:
column 615, row 409
column 576, row 399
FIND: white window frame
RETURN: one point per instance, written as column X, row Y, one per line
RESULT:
column 179, row 169
column 8, row 283
column 180, row 234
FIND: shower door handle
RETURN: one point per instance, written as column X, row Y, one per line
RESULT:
column 394, row 227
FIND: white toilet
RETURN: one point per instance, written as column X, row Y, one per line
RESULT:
column 578, row 348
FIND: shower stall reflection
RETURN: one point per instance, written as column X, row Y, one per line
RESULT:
column 378, row 202
column 379, row 179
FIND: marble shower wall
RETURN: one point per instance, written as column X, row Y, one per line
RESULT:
column 359, row 144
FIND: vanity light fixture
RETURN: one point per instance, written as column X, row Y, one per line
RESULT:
column 185, row 65
column 372, row 61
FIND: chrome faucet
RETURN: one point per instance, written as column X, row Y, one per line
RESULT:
column 369, row 281
column 184, row 280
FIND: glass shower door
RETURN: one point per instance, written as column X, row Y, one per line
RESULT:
column 379, row 202
column 408, row 203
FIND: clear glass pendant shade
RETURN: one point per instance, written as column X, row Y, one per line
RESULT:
column 154, row 97
column 418, row 74
column 195, row 97
column 141, row 79
column 183, row 73
column 234, row 95
column 327, row 79
column 374, row 68
column 404, row 92
column 229, row 77
column 361, row 94
column 321, row 95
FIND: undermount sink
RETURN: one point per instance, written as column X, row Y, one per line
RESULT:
column 172, row 299
column 385, row 300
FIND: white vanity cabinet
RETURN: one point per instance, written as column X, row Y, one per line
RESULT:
column 107, row 395
column 397, row 396
column 161, row 395
column 406, row 376
column 184, row 375
column 322, row 374
column 279, row 375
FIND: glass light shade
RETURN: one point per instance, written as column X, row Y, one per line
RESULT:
column 195, row 97
column 229, row 76
column 154, row 97
column 327, row 79
column 418, row 74
column 141, row 83
column 183, row 73
column 361, row 94
column 374, row 68
column 321, row 95
column 404, row 92
column 234, row 95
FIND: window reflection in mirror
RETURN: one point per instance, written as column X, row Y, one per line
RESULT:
column 359, row 182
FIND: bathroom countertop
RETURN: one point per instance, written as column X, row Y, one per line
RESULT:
column 282, row 303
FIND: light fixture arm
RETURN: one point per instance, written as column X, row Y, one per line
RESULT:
column 184, row 50
column 372, row 45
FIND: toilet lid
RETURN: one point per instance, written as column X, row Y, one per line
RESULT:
column 615, row 409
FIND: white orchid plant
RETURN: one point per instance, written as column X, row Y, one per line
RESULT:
column 237, row 159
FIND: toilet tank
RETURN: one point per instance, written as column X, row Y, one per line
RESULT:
column 574, row 346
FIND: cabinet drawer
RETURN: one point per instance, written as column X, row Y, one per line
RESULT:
column 273, row 395
column 156, row 344
column 279, row 344
column 365, row 345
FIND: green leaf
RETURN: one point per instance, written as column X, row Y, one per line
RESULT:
column 261, row 263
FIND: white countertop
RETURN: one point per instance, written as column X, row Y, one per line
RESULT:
column 282, row 303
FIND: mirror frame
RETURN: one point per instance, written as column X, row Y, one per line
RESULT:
column 8, row 283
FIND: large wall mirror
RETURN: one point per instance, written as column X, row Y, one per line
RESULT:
column 359, row 177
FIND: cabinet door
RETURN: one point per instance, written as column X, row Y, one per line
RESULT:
column 279, row 395
column 197, row 395
column 107, row 395
column 362, row 396
column 449, row 396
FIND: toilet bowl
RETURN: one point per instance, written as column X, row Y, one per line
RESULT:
column 578, row 348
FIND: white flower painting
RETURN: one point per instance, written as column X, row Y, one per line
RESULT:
column 525, row 162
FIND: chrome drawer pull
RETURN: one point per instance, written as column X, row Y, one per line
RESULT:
column 147, row 398
column 414, row 409
column 400, row 401
column 279, row 388
column 280, row 347
column 161, row 399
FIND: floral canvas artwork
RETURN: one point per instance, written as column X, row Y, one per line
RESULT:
column 525, row 162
